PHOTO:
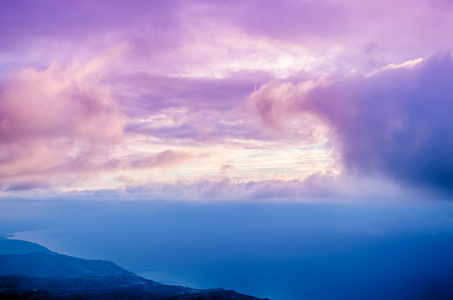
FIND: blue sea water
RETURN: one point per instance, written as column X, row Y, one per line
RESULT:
column 278, row 251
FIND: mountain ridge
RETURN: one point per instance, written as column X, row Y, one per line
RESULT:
column 14, row 246
column 44, row 274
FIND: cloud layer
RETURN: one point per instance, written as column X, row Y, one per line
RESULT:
column 126, row 96
column 394, row 123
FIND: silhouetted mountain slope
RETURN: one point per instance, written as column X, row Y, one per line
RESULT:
column 56, row 265
column 49, row 275
column 8, row 246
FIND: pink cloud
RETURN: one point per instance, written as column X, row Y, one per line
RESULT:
column 164, row 159
column 57, row 120
column 273, row 109
column 59, row 102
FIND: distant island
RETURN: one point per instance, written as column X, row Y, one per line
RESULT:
column 31, row 271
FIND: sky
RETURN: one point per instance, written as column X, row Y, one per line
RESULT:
column 257, row 107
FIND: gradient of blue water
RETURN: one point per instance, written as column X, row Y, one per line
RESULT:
column 279, row 251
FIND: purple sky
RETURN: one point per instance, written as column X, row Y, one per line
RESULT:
column 231, row 100
column 264, row 127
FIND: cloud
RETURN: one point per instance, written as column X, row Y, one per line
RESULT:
column 185, row 36
column 317, row 188
column 395, row 123
column 23, row 186
column 58, row 119
column 179, row 89
column 164, row 159
column 61, row 101
column 272, row 110
column 82, row 21
column 187, row 110
column 340, row 32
